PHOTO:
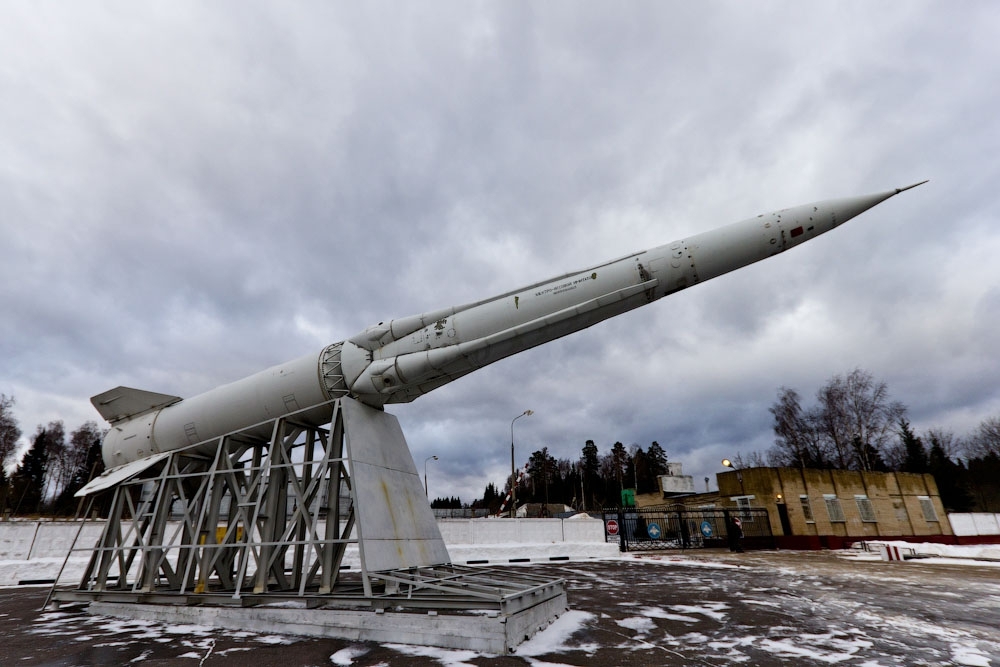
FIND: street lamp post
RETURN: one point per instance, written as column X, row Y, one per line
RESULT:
column 739, row 473
column 513, row 473
column 425, row 473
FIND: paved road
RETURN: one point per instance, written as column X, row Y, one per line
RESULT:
column 764, row 608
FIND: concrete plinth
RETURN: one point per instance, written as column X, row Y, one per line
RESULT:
column 489, row 632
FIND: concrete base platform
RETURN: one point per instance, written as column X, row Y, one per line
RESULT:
column 487, row 632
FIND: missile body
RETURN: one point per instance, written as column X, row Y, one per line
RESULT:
column 399, row 360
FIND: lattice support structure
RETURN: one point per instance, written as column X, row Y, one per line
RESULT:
column 260, row 522
column 256, row 517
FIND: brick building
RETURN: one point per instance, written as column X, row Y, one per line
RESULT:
column 811, row 508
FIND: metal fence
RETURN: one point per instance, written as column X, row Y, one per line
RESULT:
column 648, row 528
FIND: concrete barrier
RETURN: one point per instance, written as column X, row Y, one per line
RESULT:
column 16, row 538
column 520, row 531
column 29, row 540
column 32, row 540
column 893, row 552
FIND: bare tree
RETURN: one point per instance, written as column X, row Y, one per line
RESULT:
column 9, row 431
column 9, row 434
column 833, row 423
column 985, row 440
column 874, row 417
column 752, row 459
column 59, row 459
column 796, row 443
column 852, row 428
column 79, row 461
column 950, row 445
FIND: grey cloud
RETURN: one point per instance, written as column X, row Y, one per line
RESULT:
column 194, row 193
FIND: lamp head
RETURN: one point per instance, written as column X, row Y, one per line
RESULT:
column 727, row 463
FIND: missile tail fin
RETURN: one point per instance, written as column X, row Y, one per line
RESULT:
column 124, row 402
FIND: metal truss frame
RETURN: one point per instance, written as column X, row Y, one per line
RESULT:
column 270, row 521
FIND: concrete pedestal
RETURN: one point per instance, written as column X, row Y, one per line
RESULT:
column 487, row 632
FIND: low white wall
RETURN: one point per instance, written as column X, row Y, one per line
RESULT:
column 975, row 523
column 520, row 531
column 26, row 540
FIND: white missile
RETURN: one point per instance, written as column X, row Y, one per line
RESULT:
column 399, row 360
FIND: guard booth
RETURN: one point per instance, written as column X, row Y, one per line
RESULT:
column 652, row 528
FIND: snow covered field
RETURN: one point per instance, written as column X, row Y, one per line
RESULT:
column 699, row 607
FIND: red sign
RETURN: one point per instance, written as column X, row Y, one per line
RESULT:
column 612, row 527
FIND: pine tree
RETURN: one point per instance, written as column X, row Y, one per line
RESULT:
column 590, row 468
column 619, row 462
column 29, row 479
column 915, row 455
column 541, row 468
column 951, row 478
column 656, row 459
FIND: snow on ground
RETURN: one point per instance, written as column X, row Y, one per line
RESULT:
column 347, row 656
column 985, row 555
column 848, row 629
column 101, row 632
column 558, row 636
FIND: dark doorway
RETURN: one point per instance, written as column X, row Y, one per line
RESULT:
column 786, row 525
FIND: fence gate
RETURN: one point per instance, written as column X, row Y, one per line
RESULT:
column 642, row 529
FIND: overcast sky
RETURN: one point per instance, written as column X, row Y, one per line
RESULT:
column 192, row 192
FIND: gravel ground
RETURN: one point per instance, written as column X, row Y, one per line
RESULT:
column 703, row 608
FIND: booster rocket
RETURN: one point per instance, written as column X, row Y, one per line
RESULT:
column 399, row 360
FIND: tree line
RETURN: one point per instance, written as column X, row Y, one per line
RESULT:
column 592, row 481
column 54, row 467
column 854, row 424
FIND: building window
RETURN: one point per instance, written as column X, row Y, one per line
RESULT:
column 866, row 509
column 807, row 509
column 743, row 503
column 833, row 508
column 928, row 507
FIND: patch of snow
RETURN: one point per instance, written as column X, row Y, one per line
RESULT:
column 949, row 551
column 656, row 612
column 346, row 656
column 969, row 655
column 763, row 603
column 711, row 610
column 640, row 624
column 200, row 630
column 679, row 560
column 275, row 640
column 556, row 638
column 446, row 656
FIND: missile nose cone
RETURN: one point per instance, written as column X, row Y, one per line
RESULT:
column 910, row 187
column 849, row 207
